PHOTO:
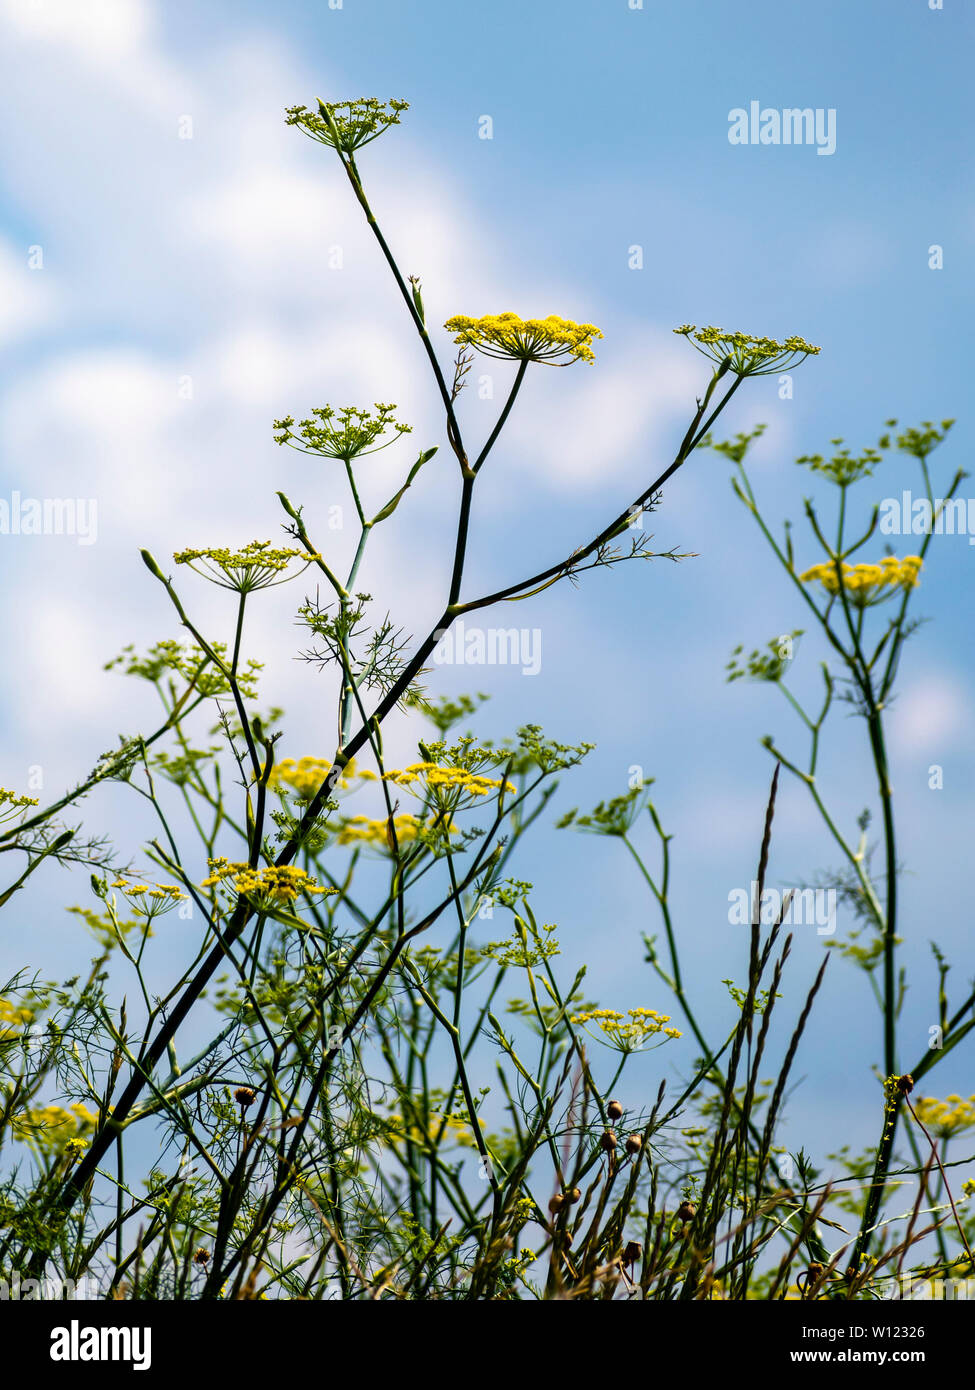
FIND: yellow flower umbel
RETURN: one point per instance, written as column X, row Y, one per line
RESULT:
column 257, row 566
column 12, row 805
column 867, row 584
column 626, row 1032
column 360, row 830
column 305, row 777
column 945, row 1117
column 13, row 1017
column 451, row 787
column 52, row 1131
column 273, row 886
column 746, row 355
column 551, row 340
column 150, row 900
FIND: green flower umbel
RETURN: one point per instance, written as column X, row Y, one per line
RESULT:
column 747, row 356
column 341, row 434
column 257, row 566
column 347, row 125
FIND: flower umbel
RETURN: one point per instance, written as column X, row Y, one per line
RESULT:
column 11, row 804
column 866, row 584
column 747, row 356
column 347, row 125
column 342, row 434
column 626, row 1032
column 273, row 886
column 946, row 1117
column 304, row 777
column 526, row 340
column 257, row 566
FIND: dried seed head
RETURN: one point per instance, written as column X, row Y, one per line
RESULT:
column 244, row 1097
column 201, row 1257
column 633, row 1252
column 634, row 1144
column 686, row 1211
column 608, row 1141
column 614, row 1110
column 905, row 1084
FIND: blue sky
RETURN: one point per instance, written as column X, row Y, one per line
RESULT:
column 169, row 260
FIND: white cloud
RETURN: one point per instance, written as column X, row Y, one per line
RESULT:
column 103, row 32
column 27, row 298
column 931, row 715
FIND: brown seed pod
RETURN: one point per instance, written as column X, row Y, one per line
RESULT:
column 633, row 1252
column 905, row 1084
column 556, row 1203
column 608, row 1141
column 201, row 1257
column 614, row 1110
column 634, row 1144
column 573, row 1194
column 686, row 1212
column 244, row 1097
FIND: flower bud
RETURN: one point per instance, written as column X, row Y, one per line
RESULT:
column 634, row 1144
column 686, row 1211
column 614, row 1110
column 608, row 1141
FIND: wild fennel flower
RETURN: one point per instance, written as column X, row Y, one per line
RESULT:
column 11, row 804
column 12, row 1018
column 305, row 777
column 347, row 125
column 526, row 340
column 150, row 900
column 53, row 1130
column 344, row 434
column 626, row 1032
column 256, row 566
column 358, row 830
column 273, row 885
column 946, row 1117
column 748, row 356
column 867, row 584
column 448, row 778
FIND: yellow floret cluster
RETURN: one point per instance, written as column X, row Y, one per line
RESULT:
column 359, row 830
column 867, row 583
column 526, row 340
column 277, row 884
column 306, row 775
column 259, row 565
column 948, row 1116
column 53, row 1129
column 448, row 779
column 159, row 893
column 630, row 1030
